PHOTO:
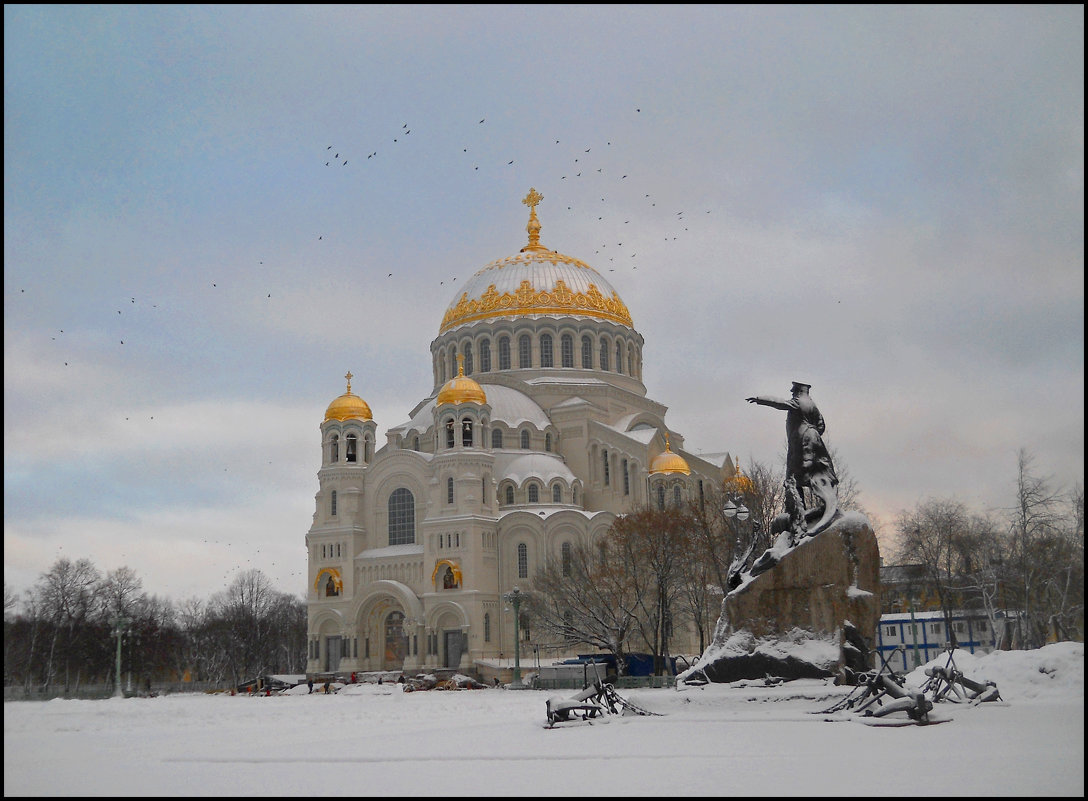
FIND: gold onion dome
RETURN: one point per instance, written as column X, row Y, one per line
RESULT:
column 347, row 406
column 669, row 462
column 739, row 484
column 461, row 389
column 535, row 281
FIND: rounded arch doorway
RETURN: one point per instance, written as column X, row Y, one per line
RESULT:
column 396, row 641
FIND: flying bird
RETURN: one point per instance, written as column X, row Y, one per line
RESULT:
column 481, row 121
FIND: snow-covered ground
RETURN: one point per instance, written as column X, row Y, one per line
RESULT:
column 377, row 740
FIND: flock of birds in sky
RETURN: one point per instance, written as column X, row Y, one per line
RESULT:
column 581, row 165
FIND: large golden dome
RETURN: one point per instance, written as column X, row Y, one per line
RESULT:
column 348, row 406
column 461, row 388
column 536, row 281
column 669, row 462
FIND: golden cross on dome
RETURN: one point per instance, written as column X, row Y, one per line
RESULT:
column 531, row 200
column 460, row 364
column 349, row 376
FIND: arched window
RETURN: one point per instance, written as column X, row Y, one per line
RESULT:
column 574, row 495
column 504, row 353
column 523, row 560
column 619, row 356
column 402, row 517
column 487, row 627
column 449, row 434
column 466, row 432
column 332, row 503
column 442, row 368
column 548, row 443
column 496, row 438
column 449, row 490
column 485, row 355
column 587, row 353
column 334, row 448
column 626, row 479
column 352, row 440
column 632, row 368
column 415, row 442
column 525, row 351
column 661, row 496
column 483, row 491
column 453, row 362
column 607, row 473
column 534, row 493
column 466, row 348
column 509, row 495
column 525, row 440
column 566, row 558
column 676, row 495
column 566, row 350
column 604, row 353
column 546, row 350
column 557, row 493
column 366, row 450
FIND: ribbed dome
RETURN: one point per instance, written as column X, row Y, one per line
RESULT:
column 348, row 406
column 669, row 462
column 461, row 389
column 535, row 281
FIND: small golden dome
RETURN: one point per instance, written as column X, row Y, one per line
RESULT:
column 348, row 405
column 461, row 389
column 739, row 484
column 669, row 462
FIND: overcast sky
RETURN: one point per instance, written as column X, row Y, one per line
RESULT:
column 203, row 206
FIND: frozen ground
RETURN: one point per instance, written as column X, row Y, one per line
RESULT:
column 716, row 740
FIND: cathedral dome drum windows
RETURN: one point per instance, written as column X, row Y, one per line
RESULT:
column 402, row 517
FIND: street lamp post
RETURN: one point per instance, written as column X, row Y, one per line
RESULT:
column 514, row 599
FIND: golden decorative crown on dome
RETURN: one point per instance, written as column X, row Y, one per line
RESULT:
column 461, row 388
column 348, row 406
column 536, row 281
column 669, row 462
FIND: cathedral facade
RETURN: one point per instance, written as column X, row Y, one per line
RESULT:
column 538, row 433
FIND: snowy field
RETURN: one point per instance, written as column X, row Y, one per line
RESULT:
column 714, row 740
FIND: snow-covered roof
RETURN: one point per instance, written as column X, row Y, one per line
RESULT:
column 412, row 549
column 519, row 466
column 513, row 407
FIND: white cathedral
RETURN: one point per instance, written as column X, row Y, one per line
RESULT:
column 538, row 433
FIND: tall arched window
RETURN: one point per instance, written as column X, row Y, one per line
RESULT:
column 574, row 495
column 546, row 350
column 661, row 496
column 504, row 353
column 525, row 351
column 334, row 448
column 449, row 490
column 366, row 449
column 449, row 434
column 557, row 493
column 587, row 353
column 632, row 368
column 485, row 355
column 626, row 479
column 466, row 432
column 523, row 560
column 415, row 442
column 604, row 353
column 487, row 627
column 332, row 503
column 566, row 350
column 548, row 443
column 442, row 368
column 402, row 517
column 453, row 362
column 496, row 438
column 509, row 495
column 525, row 440
column 607, row 473
column 619, row 356
column 352, row 441
column 566, row 558
column 534, row 493
column 676, row 495
column 466, row 348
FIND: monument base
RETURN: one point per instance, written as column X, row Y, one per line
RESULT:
column 812, row 615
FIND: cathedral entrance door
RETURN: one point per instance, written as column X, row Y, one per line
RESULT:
column 332, row 654
column 396, row 643
column 453, row 648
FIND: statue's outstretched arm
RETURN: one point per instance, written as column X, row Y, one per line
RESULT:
column 777, row 403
